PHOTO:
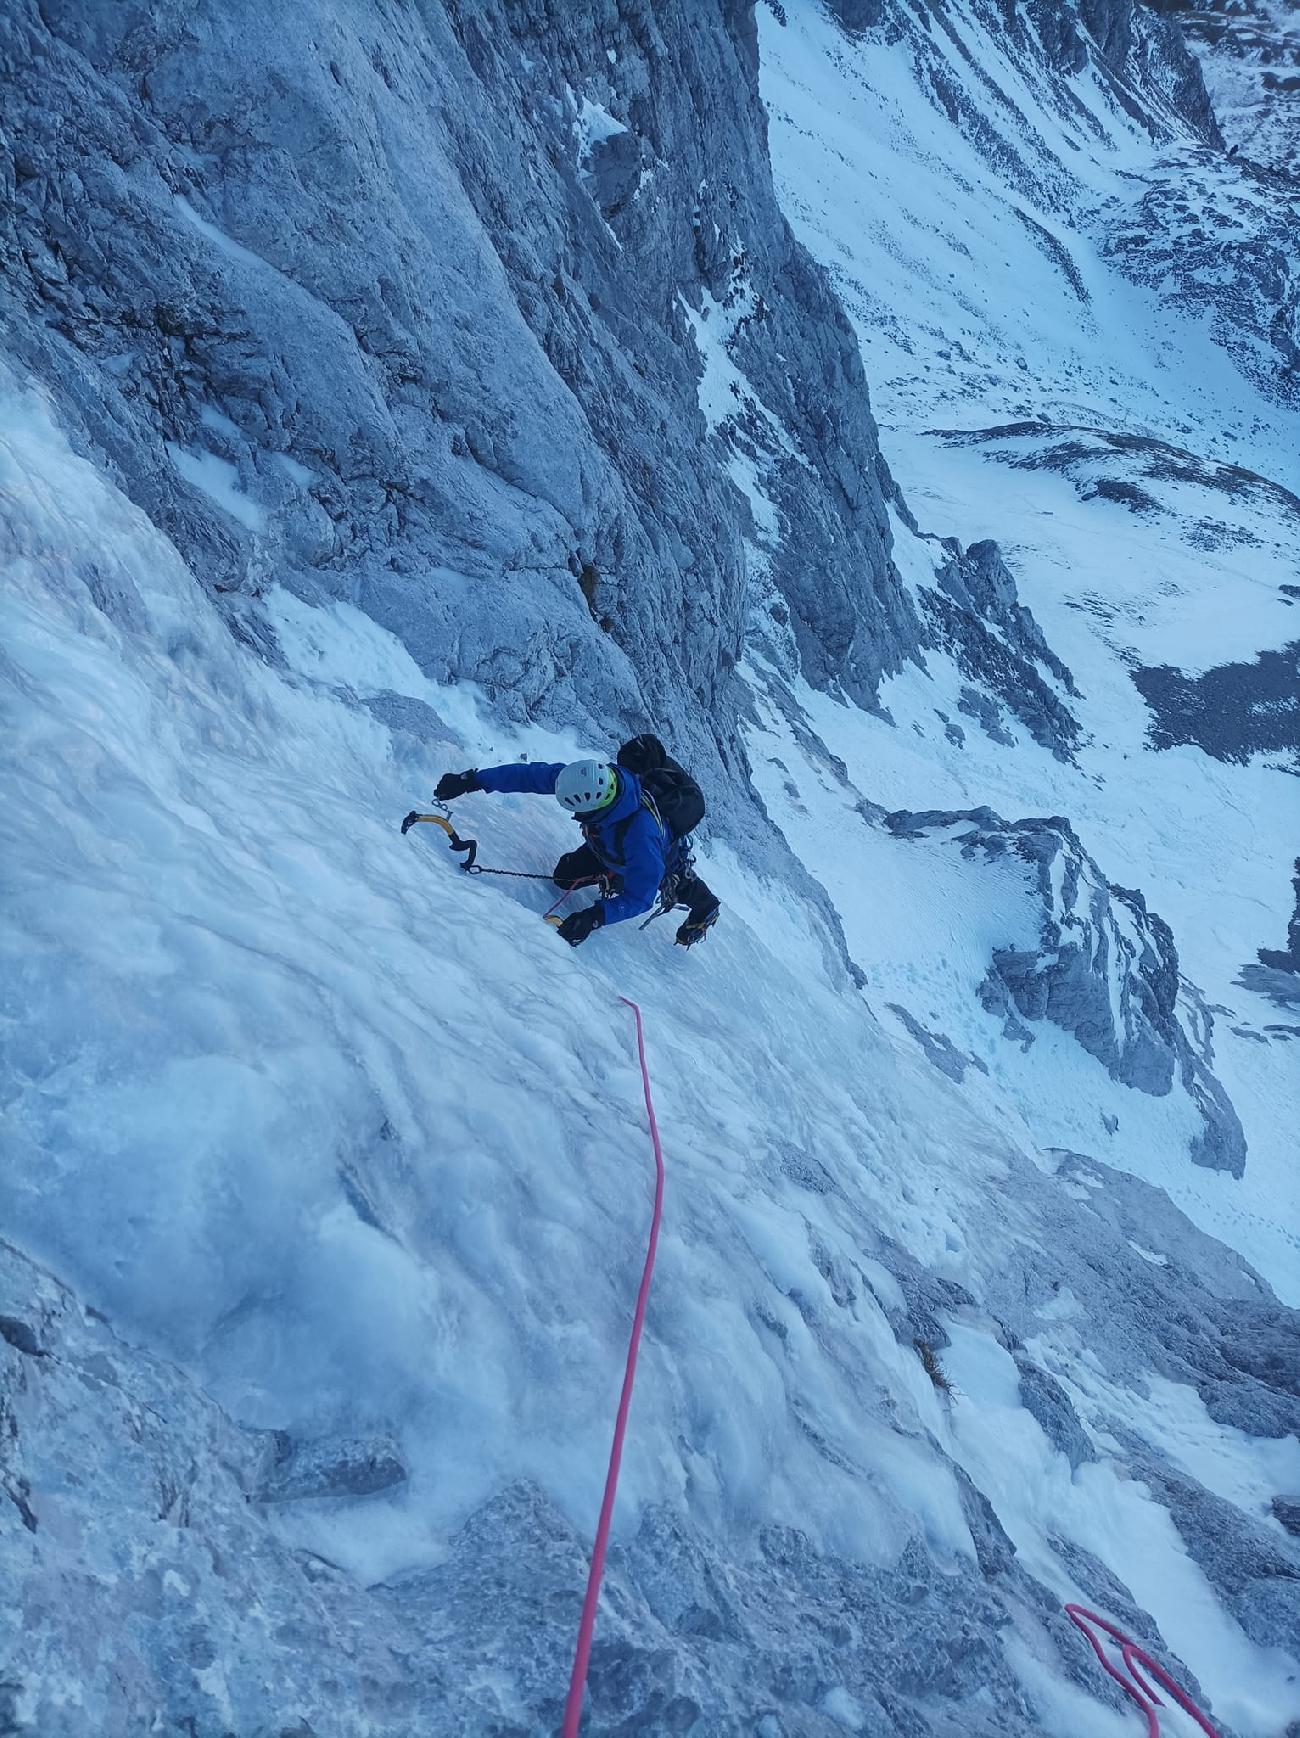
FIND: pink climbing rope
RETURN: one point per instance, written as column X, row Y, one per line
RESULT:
column 587, row 1623
column 589, row 882
column 1136, row 1661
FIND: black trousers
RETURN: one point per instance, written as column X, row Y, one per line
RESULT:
column 584, row 865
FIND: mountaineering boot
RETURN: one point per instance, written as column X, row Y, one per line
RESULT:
column 698, row 924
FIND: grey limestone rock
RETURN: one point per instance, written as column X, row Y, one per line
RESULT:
column 342, row 1466
column 1043, row 1396
column 941, row 1050
column 976, row 615
column 1277, row 973
column 1105, row 969
column 437, row 322
column 1249, row 51
column 1216, row 235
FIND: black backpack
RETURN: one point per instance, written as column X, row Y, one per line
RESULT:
column 677, row 798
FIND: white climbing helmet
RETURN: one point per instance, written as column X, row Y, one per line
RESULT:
column 585, row 787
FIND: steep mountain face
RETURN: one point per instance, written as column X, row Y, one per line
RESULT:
column 399, row 387
column 394, row 305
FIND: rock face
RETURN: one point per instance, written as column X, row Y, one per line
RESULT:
column 471, row 302
column 1218, row 230
column 1141, row 49
column 1105, row 970
column 1139, row 54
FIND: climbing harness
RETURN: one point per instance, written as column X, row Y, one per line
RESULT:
column 683, row 870
column 1136, row 1661
column 587, row 1622
column 664, row 906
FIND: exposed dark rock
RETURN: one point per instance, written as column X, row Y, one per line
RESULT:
column 939, row 1047
column 1080, row 451
column 1287, row 1510
column 1043, row 1397
column 978, row 618
column 1233, row 711
column 20, row 1336
column 1216, row 236
column 1250, row 53
column 343, row 1466
column 1287, row 959
column 1253, row 1568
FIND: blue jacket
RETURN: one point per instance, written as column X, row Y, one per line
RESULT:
column 627, row 836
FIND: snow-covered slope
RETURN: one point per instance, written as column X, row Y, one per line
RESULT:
column 1154, row 556
column 327, row 1177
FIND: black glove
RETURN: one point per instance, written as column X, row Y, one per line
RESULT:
column 457, row 784
column 578, row 925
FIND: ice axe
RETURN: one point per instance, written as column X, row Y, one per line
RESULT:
column 469, row 847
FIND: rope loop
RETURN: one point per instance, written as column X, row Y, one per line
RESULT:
column 1136, row 1661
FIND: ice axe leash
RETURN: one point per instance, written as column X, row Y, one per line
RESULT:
column 469, row 849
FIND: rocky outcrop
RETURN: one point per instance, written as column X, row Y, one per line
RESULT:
column 977, row 617
column 1287, row 959
column 1105, row 969
column 1214, row 235
column 1233, row 711
column 1133, row 470
column 1143, row 52
column 348, row 1466
column 1141, row 56
column 1275, row 971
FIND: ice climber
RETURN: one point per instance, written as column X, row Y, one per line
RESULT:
column 636, row 815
